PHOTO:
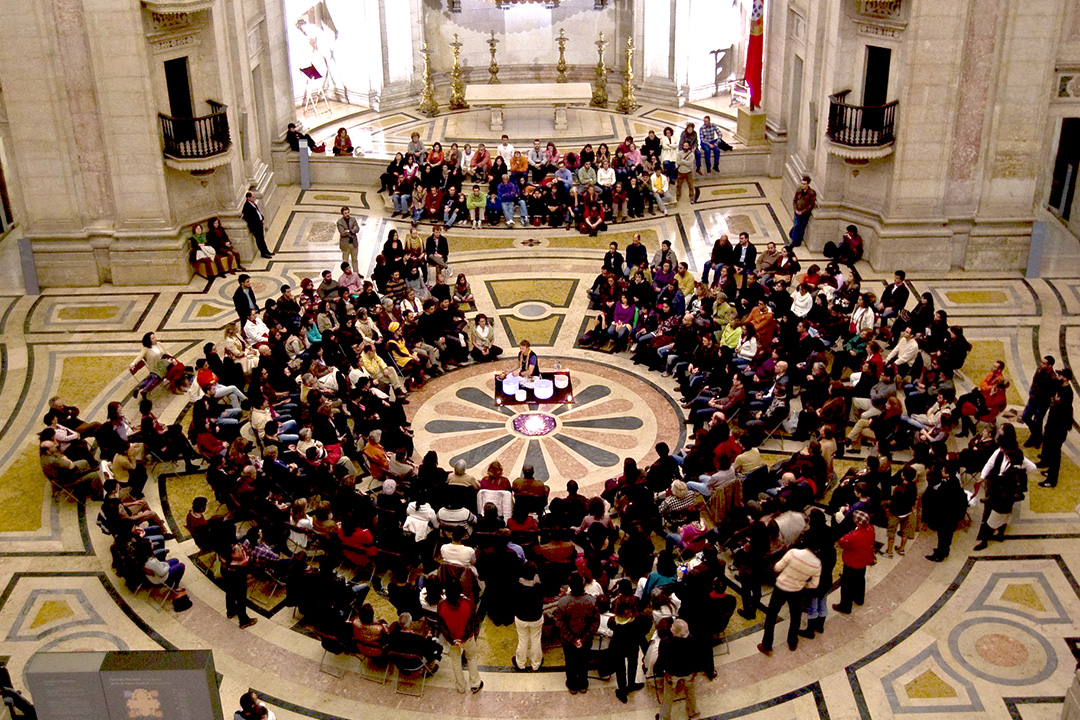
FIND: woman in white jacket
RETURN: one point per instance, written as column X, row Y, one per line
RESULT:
column 862, row 317
column 802, row 300
column 669, row 150
column 748, row 347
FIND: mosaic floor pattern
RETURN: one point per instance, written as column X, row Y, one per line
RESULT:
column 981, row 637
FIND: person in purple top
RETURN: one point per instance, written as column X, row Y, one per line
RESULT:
column 510, row 195
column 623, row 321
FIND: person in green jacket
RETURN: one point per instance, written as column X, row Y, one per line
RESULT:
column 475, row 202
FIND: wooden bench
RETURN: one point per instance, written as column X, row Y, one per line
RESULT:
column 528, row 94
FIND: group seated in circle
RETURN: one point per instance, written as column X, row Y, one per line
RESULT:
column 300, row 426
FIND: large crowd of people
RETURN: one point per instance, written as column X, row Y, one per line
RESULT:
column 299, row 423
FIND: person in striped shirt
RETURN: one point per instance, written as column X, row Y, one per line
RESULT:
column 798, row 570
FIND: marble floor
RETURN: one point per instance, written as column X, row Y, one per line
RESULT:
column 980, row 636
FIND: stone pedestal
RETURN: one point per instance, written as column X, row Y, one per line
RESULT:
column 751, row 127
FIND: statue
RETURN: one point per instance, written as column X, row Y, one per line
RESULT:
column 457, row 87
column 627, row 103
column 599, row 96
column 428, row 105
column 560, row 66
column 493, row 68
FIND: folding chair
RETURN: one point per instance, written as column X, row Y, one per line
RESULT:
column 144, row 386
column 151, row 589
column 367, row 662
column 331, row 645
column 65, row 491
column 408, row 665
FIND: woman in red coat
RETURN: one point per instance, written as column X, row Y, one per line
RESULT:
column 858, row 547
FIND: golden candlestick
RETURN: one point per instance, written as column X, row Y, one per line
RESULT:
column 561, row 65
column 493, row 68
column 428, row 105
column 457, row 86
column 599, row 96
column 627, row 103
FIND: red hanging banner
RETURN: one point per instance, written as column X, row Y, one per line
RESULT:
column 754, row 52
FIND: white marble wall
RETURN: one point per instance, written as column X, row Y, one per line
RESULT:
column 974, row 82
column 83, row 86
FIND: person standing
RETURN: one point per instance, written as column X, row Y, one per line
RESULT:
column 944, row 505
column 629, row 626
column 235, row 575
column 798, row 570
column 348, row 229
column 1043, row 388
column 803, row 205
column 529, row 619
column 1059, row 418
column 858, row 547
column 460, row 625
column 678, row 661
column 684, row 163
column 577, row 617
column 256, row 224
column 244, row 299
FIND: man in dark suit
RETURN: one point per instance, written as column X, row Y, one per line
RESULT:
column 244, row 299
column 256, row 223
column 894, row 297
column 744, row 255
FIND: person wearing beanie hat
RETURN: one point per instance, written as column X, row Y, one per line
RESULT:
column 858, row 554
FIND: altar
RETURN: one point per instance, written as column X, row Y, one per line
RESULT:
column 552, row 388
column 559, row 95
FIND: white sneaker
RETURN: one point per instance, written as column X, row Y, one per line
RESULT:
column 510, row 223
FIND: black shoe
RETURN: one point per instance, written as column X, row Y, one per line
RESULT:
column 837, row 607
column 267, row 256
column 932, row 557
column 748, row 616
column 621, row 694
column 1047, row 484
column 514, row 662
column 478, row 688
column 245, row 624
column 808, row 633
column 982, row 545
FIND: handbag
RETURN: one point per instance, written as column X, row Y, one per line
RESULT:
column 181, row 601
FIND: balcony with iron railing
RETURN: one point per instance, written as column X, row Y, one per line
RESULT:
column 860, row 132
column 200, row 143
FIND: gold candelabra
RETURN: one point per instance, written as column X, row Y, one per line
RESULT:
column 561, row 65
column 627, row 103
column 599, row 96
column 428, row 104
column 493, row 68
column 457, row 86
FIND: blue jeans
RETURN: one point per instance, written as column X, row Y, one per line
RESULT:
column 508, row 211
column 798, row 229
column 709, row 151
column 401, row 203
column 705, row 274
column 700, row 488
column 229, row 417
column 449, row 218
